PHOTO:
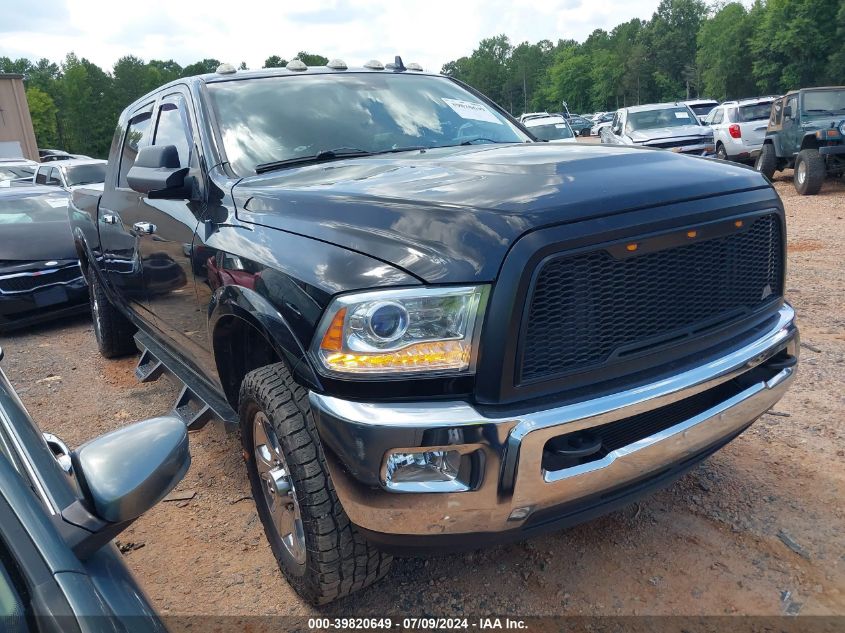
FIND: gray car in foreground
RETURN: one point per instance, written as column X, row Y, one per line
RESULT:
column 672, row 126
column 60, row 510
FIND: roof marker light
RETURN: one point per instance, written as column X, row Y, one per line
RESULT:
column 337, row 64
column 374, row 64
column 297, row 65
column 226, row 69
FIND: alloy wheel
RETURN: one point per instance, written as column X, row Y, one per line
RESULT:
column 278, row 488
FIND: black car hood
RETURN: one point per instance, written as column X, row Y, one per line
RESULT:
column 36, row 241
column 451, row 214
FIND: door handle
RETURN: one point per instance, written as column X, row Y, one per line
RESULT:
column 109, row 218
column 60, row 451
column 148, row 228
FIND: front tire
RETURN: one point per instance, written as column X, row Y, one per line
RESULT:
column 767, row 161
column 810, row 172
column 320, row 553
column 113, row 331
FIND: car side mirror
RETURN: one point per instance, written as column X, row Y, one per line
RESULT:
column 157, row 173
column 787, row 112
column 616, row 129
column 126, row 472
column 121, row 475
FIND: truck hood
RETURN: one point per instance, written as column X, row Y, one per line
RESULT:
column 669, row 133
column 36, row 241
column 451, row 214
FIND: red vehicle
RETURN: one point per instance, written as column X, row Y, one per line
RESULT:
column 229, row 270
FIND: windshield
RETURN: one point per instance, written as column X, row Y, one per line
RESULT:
column 824, row 102
column 26, row 210
column 16, row 172
column 756, row 112
column 85, row 174
column 282, row 118
column 666, row 117
column 551, row 131
column 703, row 109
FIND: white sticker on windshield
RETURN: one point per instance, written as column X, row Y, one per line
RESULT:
column 681, row 115
column 560, row 126
column 470, row 110
column 57, row 202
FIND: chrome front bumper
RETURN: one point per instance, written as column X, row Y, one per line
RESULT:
column 513, row 477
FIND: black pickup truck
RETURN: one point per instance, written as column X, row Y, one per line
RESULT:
column 433, row 331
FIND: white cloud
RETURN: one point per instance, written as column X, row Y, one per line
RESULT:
column 430, row 33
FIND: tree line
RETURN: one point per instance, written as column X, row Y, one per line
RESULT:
column 74, row 105
column 686, row 50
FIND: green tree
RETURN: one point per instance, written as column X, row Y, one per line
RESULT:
column 724, row 58
column 274, row 61
column 42, row 111
column 793, row 43
column 671, row 41
column 311, row 59
column 201, row 68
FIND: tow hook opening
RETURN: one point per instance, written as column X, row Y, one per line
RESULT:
column 572, row 449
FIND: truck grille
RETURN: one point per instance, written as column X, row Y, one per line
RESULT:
column 590, row 309
column 24, row 282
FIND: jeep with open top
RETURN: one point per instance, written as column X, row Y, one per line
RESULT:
column 806, row 132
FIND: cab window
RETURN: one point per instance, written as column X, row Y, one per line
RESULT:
column 172, row 127
column 41, row 176
column 132, row 141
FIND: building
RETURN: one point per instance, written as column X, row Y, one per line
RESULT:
column 17, row 138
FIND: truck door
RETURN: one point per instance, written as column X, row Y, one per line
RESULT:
column 119, row 211
column 165, row 230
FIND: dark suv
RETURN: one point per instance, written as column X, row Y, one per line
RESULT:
column 432, row 330
column 806, row 133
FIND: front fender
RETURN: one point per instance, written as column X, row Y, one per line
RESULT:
column 251, row 307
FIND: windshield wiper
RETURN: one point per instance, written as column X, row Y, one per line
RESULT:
column 322, row 155
column 470, row 141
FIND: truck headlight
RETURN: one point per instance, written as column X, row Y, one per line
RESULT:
column 409, row 330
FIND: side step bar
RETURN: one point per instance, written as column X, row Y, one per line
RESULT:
column 197, row 403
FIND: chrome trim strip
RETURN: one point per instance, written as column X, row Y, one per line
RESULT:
column 678, row 429
column 598, row 410
column 32, row 474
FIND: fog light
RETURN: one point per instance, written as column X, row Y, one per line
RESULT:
column 424, row 471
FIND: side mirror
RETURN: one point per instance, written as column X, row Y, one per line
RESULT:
column 126, row 472
column 787, row 112
column 158, row 174
column 616, row 129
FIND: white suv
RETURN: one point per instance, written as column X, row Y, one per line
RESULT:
column 739, row 127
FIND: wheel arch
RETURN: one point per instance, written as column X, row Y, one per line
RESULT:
column 247, row 332
column 809, row 141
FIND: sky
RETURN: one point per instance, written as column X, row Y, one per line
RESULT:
column 430, row 33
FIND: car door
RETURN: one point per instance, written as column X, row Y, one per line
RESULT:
column 791, row 135
column 166, row 229
column 120, row 207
